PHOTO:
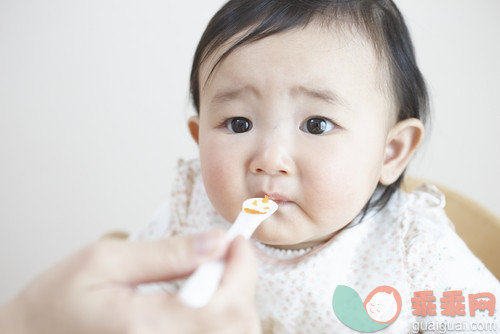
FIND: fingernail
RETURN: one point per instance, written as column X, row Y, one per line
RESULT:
column 207, row 242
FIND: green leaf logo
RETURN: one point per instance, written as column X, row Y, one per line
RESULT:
column 380, row 309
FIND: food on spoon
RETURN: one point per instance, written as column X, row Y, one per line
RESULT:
column 261, row 206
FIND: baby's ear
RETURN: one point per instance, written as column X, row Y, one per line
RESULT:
column 194, row 127
column 402, row 142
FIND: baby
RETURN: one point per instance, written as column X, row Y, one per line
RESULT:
column 320, row 106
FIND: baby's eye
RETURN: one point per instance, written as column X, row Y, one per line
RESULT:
column 317, row 126
column 238, row 124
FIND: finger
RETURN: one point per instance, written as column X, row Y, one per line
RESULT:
column 235, row 298
column 240, row 275
column 152, row 261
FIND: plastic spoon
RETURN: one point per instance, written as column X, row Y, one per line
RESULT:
column 201, row 285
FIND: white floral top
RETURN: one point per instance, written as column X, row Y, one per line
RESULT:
column 410, row 245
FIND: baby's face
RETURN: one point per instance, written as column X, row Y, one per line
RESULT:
column 302, row 117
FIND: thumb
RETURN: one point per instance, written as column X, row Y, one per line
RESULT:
column 137, row 262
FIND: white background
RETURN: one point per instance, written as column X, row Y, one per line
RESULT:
column 94, row 100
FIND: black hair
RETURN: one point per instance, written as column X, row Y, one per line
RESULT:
column 379, row 20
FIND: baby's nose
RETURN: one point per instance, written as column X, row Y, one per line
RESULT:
column 272, row 157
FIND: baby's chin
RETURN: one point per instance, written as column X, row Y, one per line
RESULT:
column 283, row 238
column 278, row 241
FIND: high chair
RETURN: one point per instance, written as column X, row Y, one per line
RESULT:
column 478, row 227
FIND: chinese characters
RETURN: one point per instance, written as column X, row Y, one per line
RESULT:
column 452, row 303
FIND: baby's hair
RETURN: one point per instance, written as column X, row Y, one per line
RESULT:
column 379, row 20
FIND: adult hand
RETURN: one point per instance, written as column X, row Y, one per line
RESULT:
column 94, row 290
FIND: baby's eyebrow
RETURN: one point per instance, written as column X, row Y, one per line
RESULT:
column 325, row 95
column 321, row 94
column 234, row 93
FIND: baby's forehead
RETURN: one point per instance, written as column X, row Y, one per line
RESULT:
column 343, row 33
column 335, row 35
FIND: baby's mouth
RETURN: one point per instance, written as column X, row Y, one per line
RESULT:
column 276, row 197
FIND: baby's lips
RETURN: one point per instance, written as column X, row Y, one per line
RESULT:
column 276, row 197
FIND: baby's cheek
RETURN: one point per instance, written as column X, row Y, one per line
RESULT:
column 218, row 178
column 334, row 193
column 327, row 184
column 213, row 174
column 213, row 164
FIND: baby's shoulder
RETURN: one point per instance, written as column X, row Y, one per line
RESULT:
column 420, row 214
column 424, row 233
column 433, row 253
column 187, row 173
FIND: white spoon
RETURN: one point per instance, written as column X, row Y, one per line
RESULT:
column 201, row 285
